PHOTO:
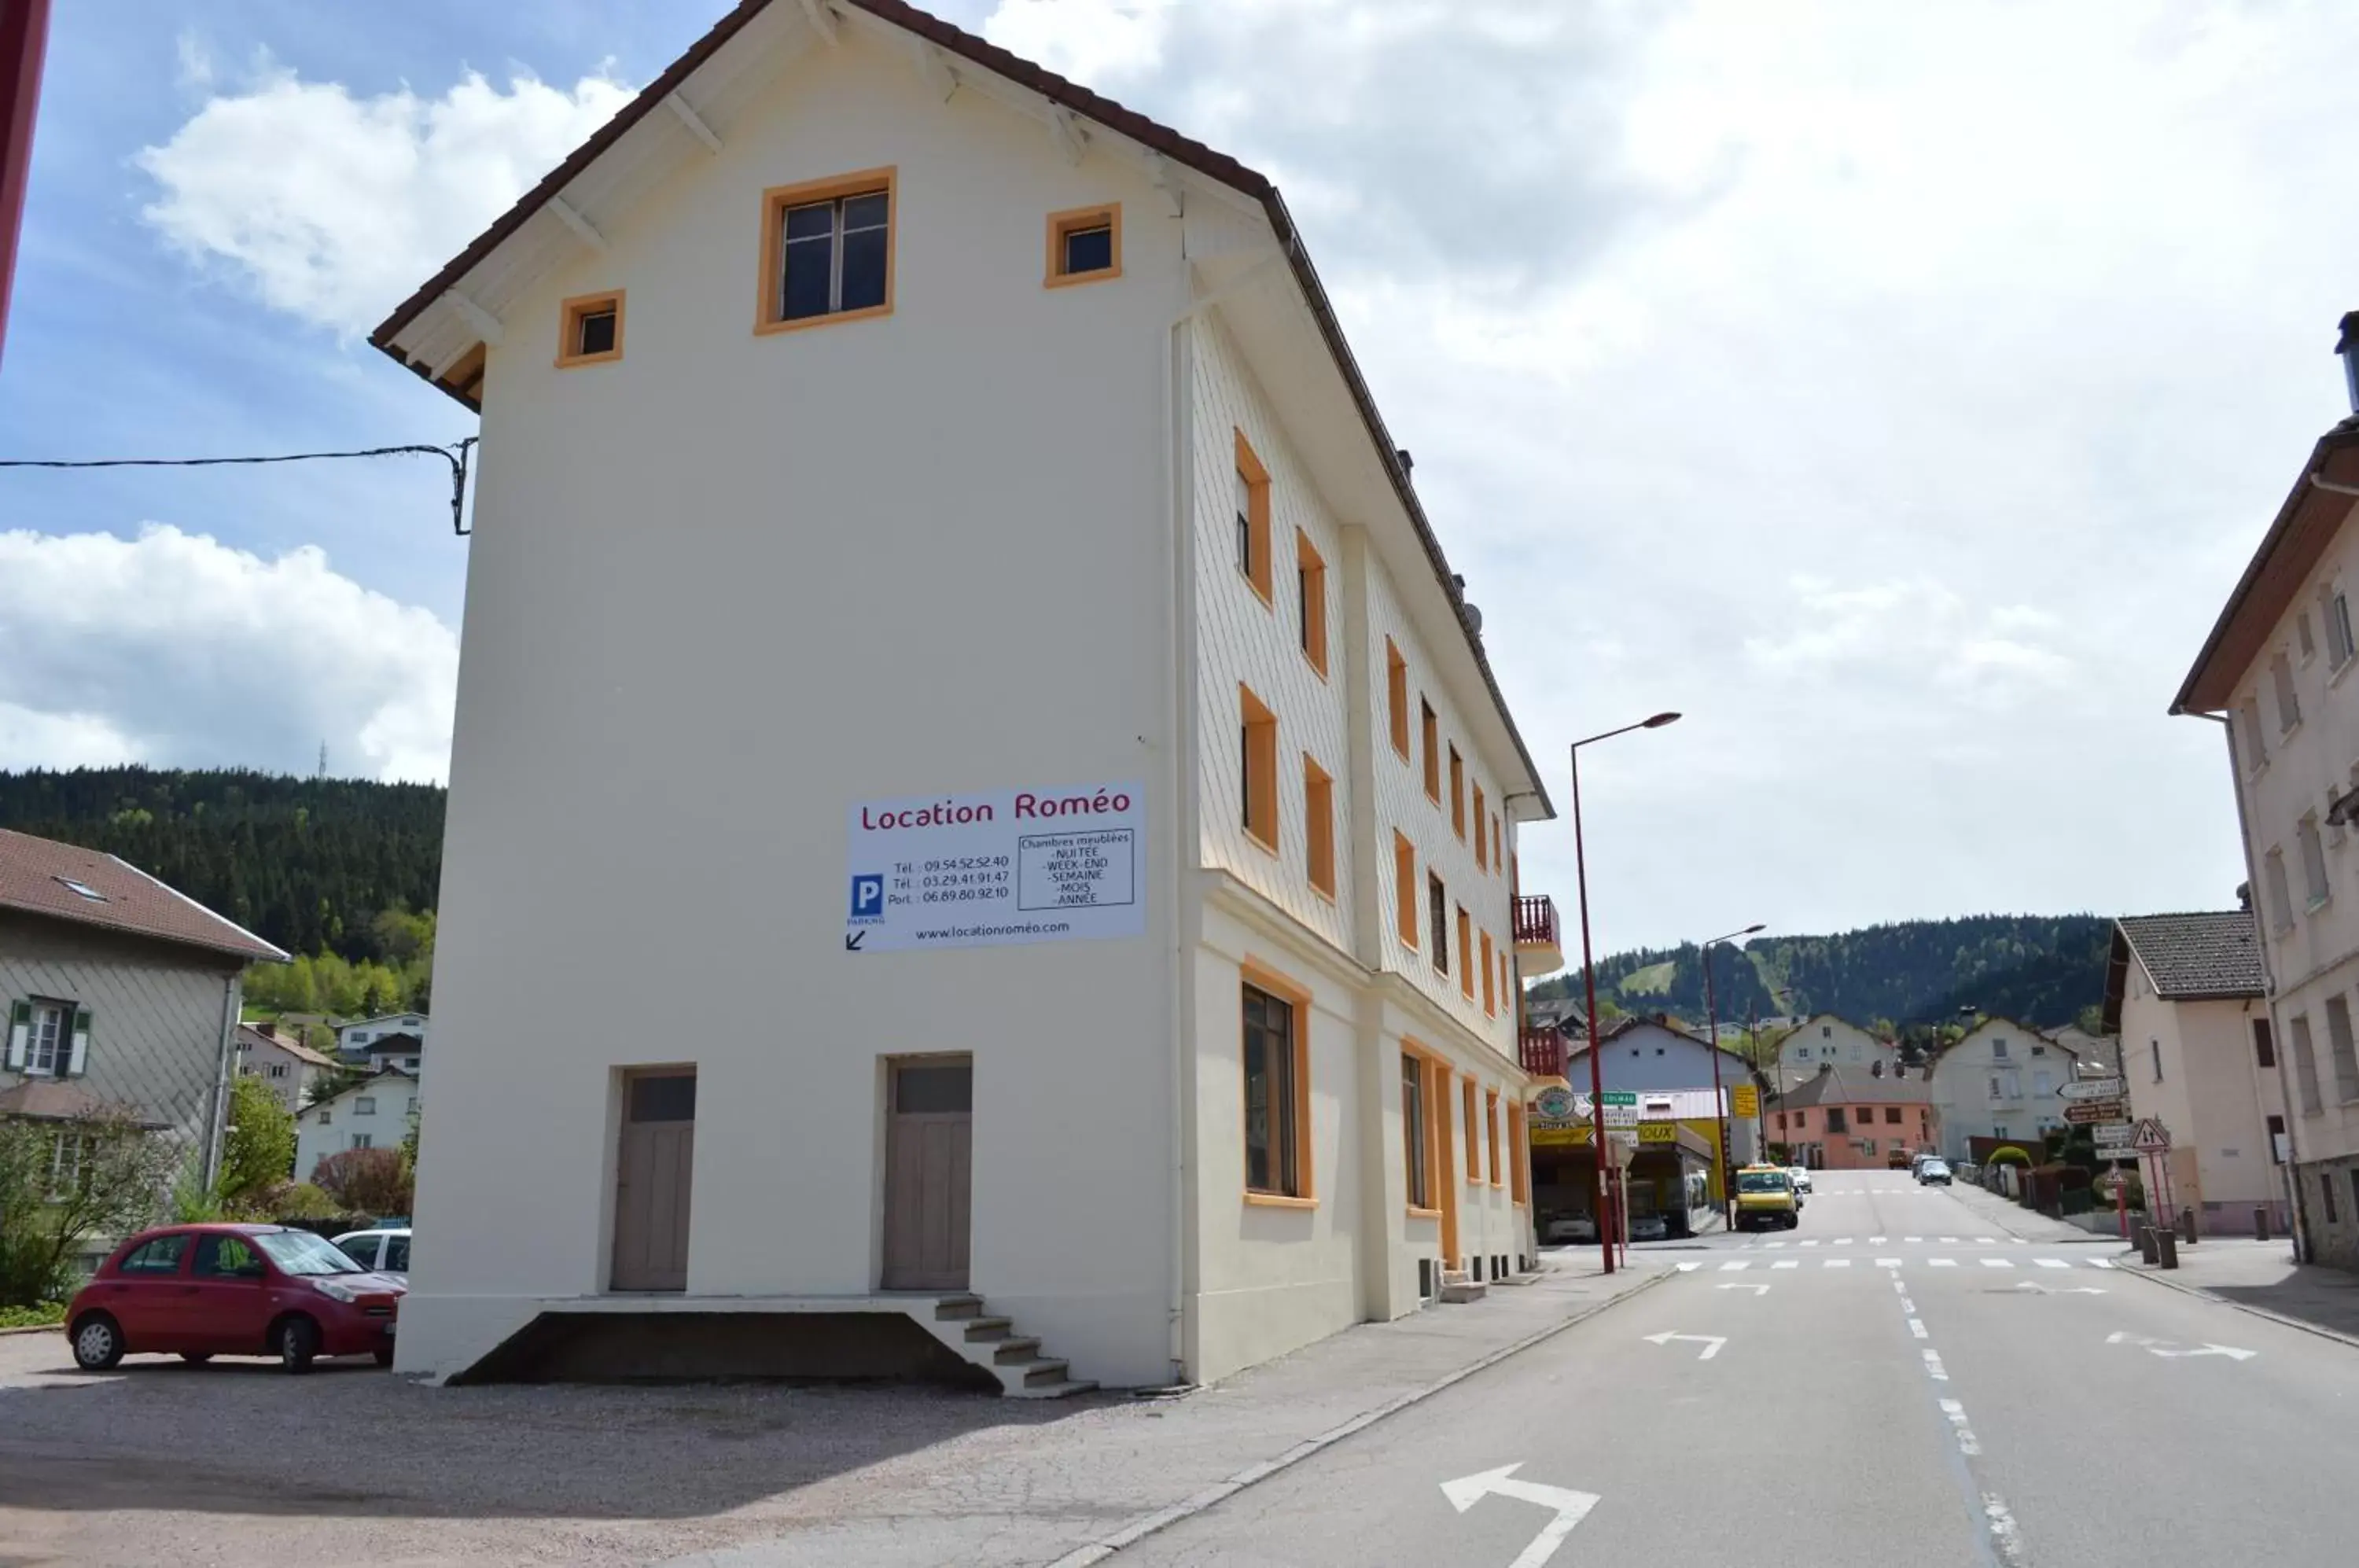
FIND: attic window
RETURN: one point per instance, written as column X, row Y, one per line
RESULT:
column 827, row 251
column 80, row 889
column 592, row 329
column 1084, row 246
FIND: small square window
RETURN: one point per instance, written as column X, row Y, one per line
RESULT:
column 593, row 330
column 1084, row 246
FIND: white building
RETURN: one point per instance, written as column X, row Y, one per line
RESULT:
column 354, row 1038
column 1999, row 1082
column 1034, row 550
column 2275, row 672
column 286, row 1063
column 1825, row 1039
column 375, row 1113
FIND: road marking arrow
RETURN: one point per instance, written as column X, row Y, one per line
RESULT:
column 2171, row 1349
column 1759, row 1290
column 1711, row 1342
column 1571, row 1506
column 2035, row 1285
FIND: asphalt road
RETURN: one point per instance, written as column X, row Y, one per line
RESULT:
column 1909, row 1377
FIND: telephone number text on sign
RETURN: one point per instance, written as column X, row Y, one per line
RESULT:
column 926, row 871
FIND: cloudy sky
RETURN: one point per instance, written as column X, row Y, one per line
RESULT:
column 1894, row 390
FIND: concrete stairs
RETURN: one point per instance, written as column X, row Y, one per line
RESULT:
column 993, row 1344
column 1458, row 1285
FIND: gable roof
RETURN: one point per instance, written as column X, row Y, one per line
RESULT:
column 250, row 1036
column 1062, row 94
column 1836, row 1087
column 1575, row 1049
column 373, row 1083
column 2209, row 956
column 38, row 877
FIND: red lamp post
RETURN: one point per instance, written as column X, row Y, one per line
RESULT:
column 1719, row 1098
column 1602, row 1208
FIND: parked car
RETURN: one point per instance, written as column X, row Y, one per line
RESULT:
column 385, row 1251
column 1934, row 1172
column 202, row 1290
column 1649, row 1228
column 1568, row 1227
column 1802, row 1175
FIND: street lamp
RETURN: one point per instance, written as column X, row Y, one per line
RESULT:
column 1589, row 986
column 1719, row 1103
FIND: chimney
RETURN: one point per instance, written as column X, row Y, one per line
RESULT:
column 1408, row 463
column 2347, row 345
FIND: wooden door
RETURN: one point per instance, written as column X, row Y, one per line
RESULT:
column 928, row 1161
column 652, row 1180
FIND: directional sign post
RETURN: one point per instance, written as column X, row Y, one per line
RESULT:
column 1571, row 1506
column 2090, row 1113
column 2094, row 1089
column 1621, row 1108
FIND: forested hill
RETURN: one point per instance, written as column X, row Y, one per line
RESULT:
column 305, row 863
column 2041, row 969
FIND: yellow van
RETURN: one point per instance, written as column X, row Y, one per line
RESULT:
column 1765, row 1198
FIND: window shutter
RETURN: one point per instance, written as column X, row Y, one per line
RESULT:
column 20, row 1031
column 81, row 1043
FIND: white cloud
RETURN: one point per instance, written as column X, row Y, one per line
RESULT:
column 176, row 649
column 1092, row 41
column 332, row 207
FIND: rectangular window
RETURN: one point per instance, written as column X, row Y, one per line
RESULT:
column 2277, row 1135
column 1432, row 728
column 366, row 1106
column 1257, row 741
column 2155, row 1048
column 2326, row 1189
column 1517, row 1164
column 1458, row 794
column 1466, row 954
column 1396, row 697
column 827, row 251
column 2265, row 1053
column 325, row 1118
column 1319, row 824
column 2305, row 1066
column 1413, row 1133
column 1801, row 1120
column 1473, row 1130
column 1084, row 246
column 591, row 329
column 1491, row 1131
column 2303, row 637
column 1276, row 1102
column 1482, row 851
column 1405, row 889
column 2281, row 681
column 48, row 1043
column 1834, row 1118
column 2340, row 1045
column 1310, row 600
column 2257, row 751
column 1507, row 983
column 2272, row 871
column 1498, row 847
column 1998, row 1051
column 2314, row 860
column 1892, row 1115
column 1490, row 991
column 2338, row 646
column 1438, row 913
column 364, row 1140
column 1253, row 518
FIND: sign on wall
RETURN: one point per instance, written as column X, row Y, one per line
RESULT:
column 996, row 868
column 1744, row 1100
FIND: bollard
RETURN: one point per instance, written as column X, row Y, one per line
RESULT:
column 2167, row 1244
column 2146, row 1252
column 2260, row 1224
column 2187, row 1228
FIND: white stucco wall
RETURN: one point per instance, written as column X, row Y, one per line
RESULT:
column 2206, row 1093
column 385, row 1123
column 2029, row 1072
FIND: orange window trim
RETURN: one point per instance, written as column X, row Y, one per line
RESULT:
column 1431, row 723
column 1404, row 888
column 1105, row 215
column 1490, row 992
column 1297, row 997
column 1319, row 813
column 1458, row 794
column 1498, row 847
column 1516, row 1173
column 768, row 291
column 1435, row 1080
column 1473, row 1130
column 569, row 314
column 1465, row 950
column 1482, row 858
column 1256, row 480
column 1260, row 815
column 1312, row 569
column 1491, row 1126
column 1396, row 696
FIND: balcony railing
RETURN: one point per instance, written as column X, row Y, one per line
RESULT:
column 1536, row 921
column 1542, row 1052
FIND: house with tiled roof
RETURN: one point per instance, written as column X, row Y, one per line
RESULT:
column 121, row 994
column 1853, row 1117
column 2187, row 997
column 276, row 1054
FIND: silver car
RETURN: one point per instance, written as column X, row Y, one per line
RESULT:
column 383, row 1251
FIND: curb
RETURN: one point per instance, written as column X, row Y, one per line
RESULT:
column 34, row 1328
column 2198, row 1292
column 1139, row 1529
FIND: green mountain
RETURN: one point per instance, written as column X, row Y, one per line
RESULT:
column 2041, row 969
column 308, row 864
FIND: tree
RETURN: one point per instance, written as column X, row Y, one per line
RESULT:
column 258, row 1150
column 65, row 1183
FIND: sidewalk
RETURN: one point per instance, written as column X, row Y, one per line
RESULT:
column 2029, row 1224
column 1071, row 1492
column 2261, row 1277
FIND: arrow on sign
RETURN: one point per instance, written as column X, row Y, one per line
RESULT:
column 1711, row 1342
column 852, row 940
column 2170, row 1348
column 2039, row 1288
column 1571, row 1506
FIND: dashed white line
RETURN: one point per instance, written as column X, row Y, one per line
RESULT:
column 1942, row 1262
column 1876, row 1241
column 1916, row 1327
column 2003, row 1535
column 1887, row 1263
column 1968, row 1444
column 1912, row 1239
column 1812, row 1242
column 1787, row 1263
column 1948, row 1241
column 1933, row 1366
column 1733, row 1268
column 1844, row 1240
column 1838, row 1262
column 1986, row 1241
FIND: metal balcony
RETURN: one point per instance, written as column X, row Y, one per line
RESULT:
column 1537, row 948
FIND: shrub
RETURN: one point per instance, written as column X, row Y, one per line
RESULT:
column 294, row 1202
column 118, row 1174
column 369, row 1181
column 258, row 1149
column 40, row 1314
column 2007, row 1154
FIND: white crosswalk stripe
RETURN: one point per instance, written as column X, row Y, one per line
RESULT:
column 1733, row 1268
column 1876, row 1241
column 1770, row 1244
column 1812, row 1242
column 1948, row 1241
column 1838, row 1262
column 2100, row 1263
column 1688, row 1268
column 1986, row 1241
column 2051, row 1263
column 1942, row 1262
column 1912, row 1239
column 1998, row 1262
column 1887, row 1263
column 1843, row 1241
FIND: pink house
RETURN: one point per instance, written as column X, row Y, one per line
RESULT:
column 1846, row 1119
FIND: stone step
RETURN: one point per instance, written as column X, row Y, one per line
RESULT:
column 1015, row 1349
column 1040, row 1371
column 958, row 1307
column 1063, row 1390
column 1463, row 1290
column 979, row 1329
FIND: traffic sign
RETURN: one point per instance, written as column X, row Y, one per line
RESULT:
column 1744, row 1100
column 2151, row 1137
column 2094, row 1089
column 2087, row 1113
column 2114, row 1132
column 1612, row 1098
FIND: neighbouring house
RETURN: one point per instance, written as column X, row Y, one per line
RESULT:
column 1999, row 1082
column 122, row 994
column 1823, row 1039
column 2273, row 673
column 356, row 1039
column 291, row 1068
column 376, row 1113
column 1845, row 1118
column 2188, row 999
column 1090, row 680
column 394, row 1053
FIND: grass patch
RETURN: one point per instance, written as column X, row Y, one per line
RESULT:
column 42, row 1314
column 1652, row 981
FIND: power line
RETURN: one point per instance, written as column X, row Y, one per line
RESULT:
column 455, row 455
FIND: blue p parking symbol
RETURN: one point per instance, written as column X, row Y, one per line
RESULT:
column 869, row 898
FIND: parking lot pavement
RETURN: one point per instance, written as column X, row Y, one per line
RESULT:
column 237, row 1462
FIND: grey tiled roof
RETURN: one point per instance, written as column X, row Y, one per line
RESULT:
column 2214, row 953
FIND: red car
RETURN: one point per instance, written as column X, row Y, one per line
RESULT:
column 233, row 1289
